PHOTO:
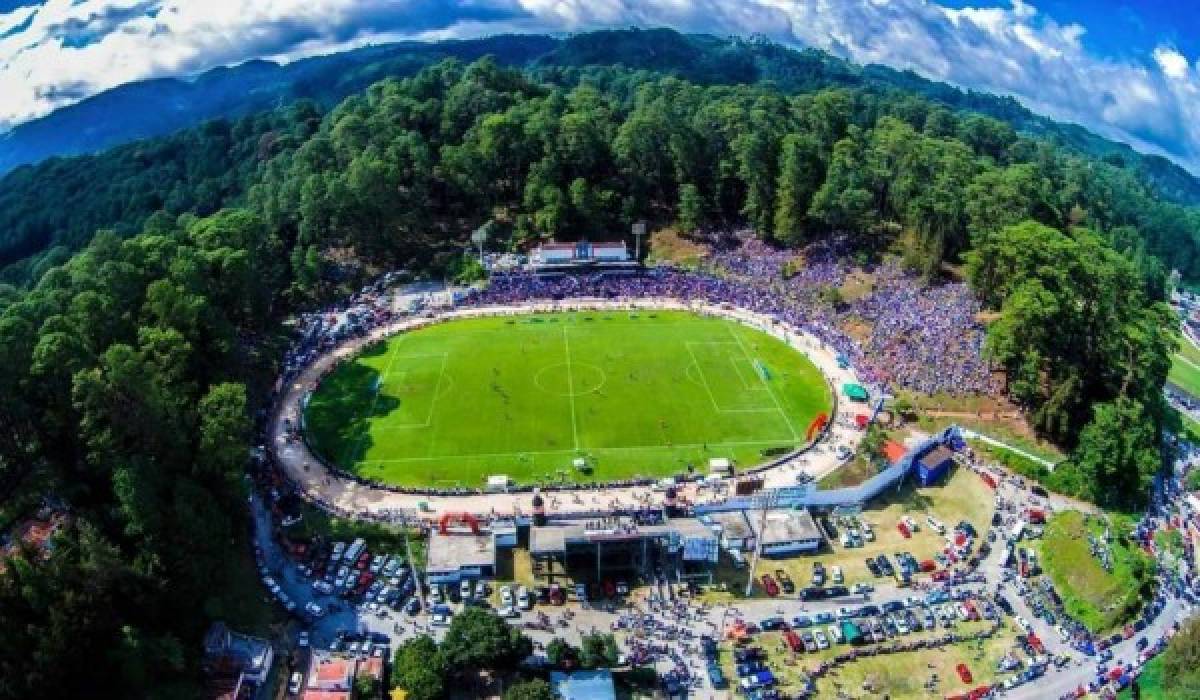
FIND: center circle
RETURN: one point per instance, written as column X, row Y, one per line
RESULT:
column 572, row 379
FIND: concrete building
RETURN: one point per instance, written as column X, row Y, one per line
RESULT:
column 934, row 464
column 787, row 533
column 612, row 545
column 453, row 557
column 735, row 530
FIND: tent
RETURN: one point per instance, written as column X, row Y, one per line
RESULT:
column 851, row 632
column 854, row 392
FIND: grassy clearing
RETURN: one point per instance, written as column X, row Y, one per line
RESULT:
column 634, row 394
column 1185, row 374
column 851, row 473
column 1150, row 682
column 895, row 676
column 1099, row 599
column 903, row 676
column 1189, row 351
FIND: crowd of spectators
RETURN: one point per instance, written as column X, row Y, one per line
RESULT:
column 912, row 335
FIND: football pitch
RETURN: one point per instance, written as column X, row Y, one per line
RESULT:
column 633, row 394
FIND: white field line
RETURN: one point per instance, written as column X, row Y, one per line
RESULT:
column 782, row 413
column 571, row 390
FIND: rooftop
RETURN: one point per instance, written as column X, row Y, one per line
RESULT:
column 454, row 552
column 787, row 526
column 936, row 456
column 329, row 672
column 734, row 524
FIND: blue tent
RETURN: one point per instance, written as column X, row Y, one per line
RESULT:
column 765, row 678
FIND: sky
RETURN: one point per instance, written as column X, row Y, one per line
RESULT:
column 1126, row 69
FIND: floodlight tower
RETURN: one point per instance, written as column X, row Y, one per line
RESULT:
column 639, row 231
column 766, row 501
column 479, row 236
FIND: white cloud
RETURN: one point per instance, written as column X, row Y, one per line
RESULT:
column 72, row 48
column 1173, row 63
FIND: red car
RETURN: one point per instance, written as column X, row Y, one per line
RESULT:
column 964, row 673
column 903, row 530
column 769, row 585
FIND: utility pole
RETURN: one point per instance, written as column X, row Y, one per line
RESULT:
column 766, row 501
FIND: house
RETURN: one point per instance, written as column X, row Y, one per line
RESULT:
column 787, row 532
column 454, row 557
column 330, row 677
column 584, row 685
column 234, row 662
column 934, row 464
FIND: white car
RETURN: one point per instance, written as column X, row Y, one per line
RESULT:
column 435, row 594
column 464, row 589
column 868, row 533
column 302, row 639
column 863, row 588
column 440, row 619
column 506, row 596
column 524, row 600
column 845, row 613
column 295, row 683
column 835, row 574
column 1024, row 624
column 508, row 611
column 480, row 590
column 911, row 523
column 835, row 633
column 822, row 640
column 313, row 609
column 935, row 524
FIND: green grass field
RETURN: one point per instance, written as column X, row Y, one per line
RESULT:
column 1101, row 600
column 1185, row 374
column 635, row 394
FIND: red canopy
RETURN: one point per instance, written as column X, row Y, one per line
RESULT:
column 861, row 420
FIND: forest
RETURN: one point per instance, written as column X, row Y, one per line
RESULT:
column 132, row 369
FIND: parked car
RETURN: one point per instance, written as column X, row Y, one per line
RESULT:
column 769, row 585
column 785, row 581
column 294, row 684
column 964, row 673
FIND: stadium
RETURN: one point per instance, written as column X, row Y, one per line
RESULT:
column 587, row 392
